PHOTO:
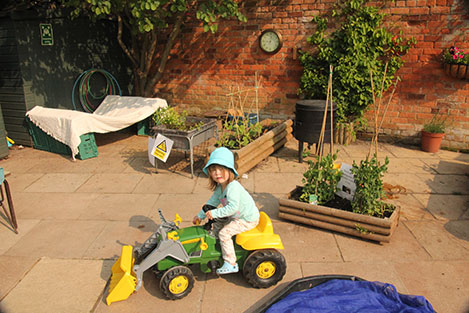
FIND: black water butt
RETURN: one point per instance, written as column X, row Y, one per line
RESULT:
column 309, row 115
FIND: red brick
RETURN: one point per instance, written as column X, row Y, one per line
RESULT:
column 440, row 10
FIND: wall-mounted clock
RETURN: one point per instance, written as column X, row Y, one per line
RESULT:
column 270, row 41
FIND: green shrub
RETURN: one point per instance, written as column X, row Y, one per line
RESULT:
column 321, row 179
column 358, row 44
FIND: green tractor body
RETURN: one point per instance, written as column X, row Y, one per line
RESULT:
column 171, row 251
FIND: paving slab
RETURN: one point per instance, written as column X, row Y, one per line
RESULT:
column 276, row 182
column 13, row 270
column 294, row 271
column 247, row 180
column 447, row 184
column 149, row 298
column 383, row 271
column 445, row 284
column 202, row 185
column 444, row 207
column 117, row 207
column 165, row 183
column 21, row 165
column 448, row 166
column 413, row 183
column 460, row 230
column 269, row 165
column 446, row 154
column 57, row 239
column 58, row 182
column 18, row 182
column 409, row 165
column 116, row 234
column 65, row 164
column 37, row 205
column 92, row 217
column 139, row 165
column 409, row 152
column 435, row 238
column 291, row 165
column 187, row 206
column 402, row 244
column 411, row 207
column 303, row 243
column 268, row 203
column 234, row 294
column 360, row 149
column 8, row 238
column 111, row 183
column 115, row 164
column 57, row 286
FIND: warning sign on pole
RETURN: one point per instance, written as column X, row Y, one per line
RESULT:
column 162, row 147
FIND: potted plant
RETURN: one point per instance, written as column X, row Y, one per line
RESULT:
column 356, row 44
column 365, row 216
column 252, row 142
column 349, row 200
column 186, row 132
column 456, row 62
column 250, row 139
column 432, row 134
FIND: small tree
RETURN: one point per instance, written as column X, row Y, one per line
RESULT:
column 154, row 26
column 354, row 44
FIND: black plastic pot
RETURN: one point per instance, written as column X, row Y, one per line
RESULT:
column 309, row 115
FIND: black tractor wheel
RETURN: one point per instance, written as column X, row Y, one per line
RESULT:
column 177, row 282
column 264, row 268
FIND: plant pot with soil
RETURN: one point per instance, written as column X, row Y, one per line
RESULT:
column 317, row 204
column 252, row 143
column 433, row 133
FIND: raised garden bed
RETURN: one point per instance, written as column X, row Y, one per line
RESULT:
column 183, row 139
column 343, row 221
column 252, row 154
column 187, row 140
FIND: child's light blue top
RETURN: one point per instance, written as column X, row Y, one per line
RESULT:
column 236, row 202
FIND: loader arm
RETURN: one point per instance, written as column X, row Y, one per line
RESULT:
column 166, row 248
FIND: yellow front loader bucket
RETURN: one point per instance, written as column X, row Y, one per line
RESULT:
column 123, row 281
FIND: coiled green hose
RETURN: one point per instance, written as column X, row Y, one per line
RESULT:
column 88, row 100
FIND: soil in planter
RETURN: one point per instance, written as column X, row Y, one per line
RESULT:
column 267, row 125
column 343, row 204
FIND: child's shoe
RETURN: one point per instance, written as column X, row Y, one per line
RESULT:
column 227, row 268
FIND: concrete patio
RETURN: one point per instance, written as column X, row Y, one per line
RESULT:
column 74, row 218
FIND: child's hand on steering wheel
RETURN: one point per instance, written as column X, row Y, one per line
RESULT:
column 196, row 220
column 209, row 215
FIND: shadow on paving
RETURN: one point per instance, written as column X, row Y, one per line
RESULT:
column 456, row 187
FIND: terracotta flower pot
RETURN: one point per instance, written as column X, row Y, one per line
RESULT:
column 431, row 142
column 462, row 69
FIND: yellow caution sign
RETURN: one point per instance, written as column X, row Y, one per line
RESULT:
column 162, row 147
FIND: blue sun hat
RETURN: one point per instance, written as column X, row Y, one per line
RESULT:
column 221, row 156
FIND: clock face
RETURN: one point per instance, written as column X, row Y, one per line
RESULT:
column 270, row 41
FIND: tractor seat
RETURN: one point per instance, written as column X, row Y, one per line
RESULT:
column 260, row 237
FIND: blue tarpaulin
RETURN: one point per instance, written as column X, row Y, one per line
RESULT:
column 347, row 296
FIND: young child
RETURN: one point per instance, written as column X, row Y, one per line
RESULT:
column 236, row 203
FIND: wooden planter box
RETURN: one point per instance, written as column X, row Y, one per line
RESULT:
column 252, row 154
column 377, row 229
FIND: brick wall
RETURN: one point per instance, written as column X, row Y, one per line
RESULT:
column 205, row 67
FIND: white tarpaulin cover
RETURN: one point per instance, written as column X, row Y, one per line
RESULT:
column 113, row 114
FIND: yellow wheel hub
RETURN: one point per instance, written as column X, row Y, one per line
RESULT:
column 266, row 269
column 178, row 285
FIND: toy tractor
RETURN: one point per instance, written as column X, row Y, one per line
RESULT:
column 171, row 250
